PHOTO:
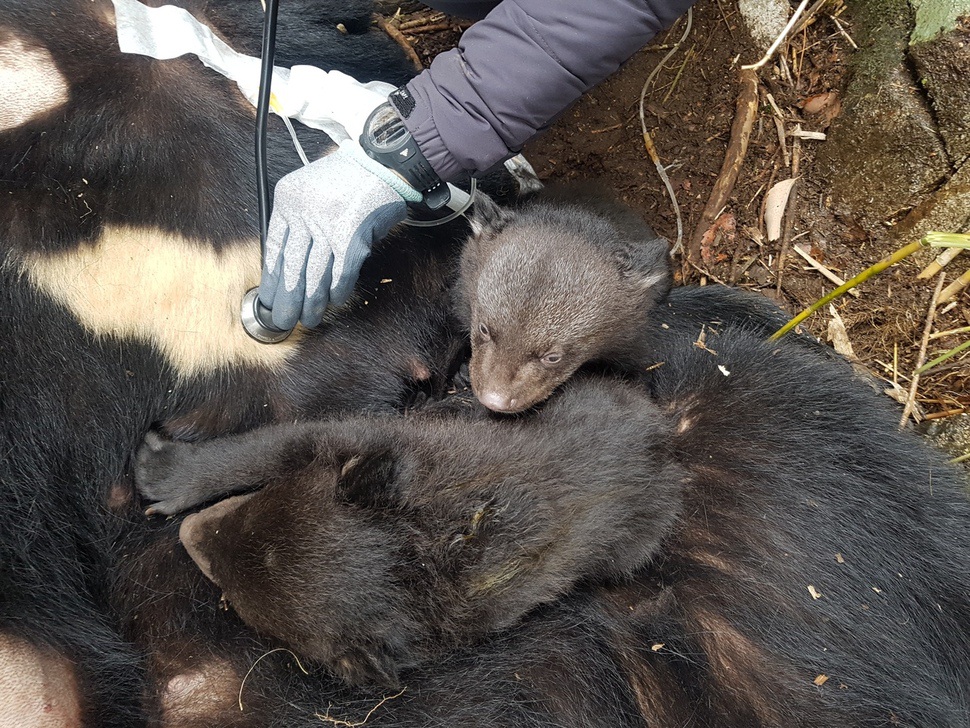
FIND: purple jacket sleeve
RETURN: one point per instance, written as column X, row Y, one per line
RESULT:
column 518, row 69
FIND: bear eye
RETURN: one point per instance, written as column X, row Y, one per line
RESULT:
column 553, row 357
column 483, row 332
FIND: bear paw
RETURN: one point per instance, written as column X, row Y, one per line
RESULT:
column 162, row 475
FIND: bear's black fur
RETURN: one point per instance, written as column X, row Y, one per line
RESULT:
column 818, row 573
column 558, row 669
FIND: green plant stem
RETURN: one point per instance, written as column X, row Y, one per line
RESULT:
column 850, row 284
column 943, row 357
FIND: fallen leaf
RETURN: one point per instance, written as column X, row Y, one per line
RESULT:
column 819, row 102
column 839, row 559
column 775, row 203
column 722, row 229
column 821, row 679
column 816, row 594
column 838, row 335
column 657, row 647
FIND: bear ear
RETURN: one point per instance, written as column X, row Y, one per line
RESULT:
column 646, row 264
column 368, row 479
column 487, row 218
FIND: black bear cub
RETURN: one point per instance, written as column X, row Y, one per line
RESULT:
column 377, row 543
column 567, row 278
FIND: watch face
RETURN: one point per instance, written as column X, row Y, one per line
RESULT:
column 384, row 131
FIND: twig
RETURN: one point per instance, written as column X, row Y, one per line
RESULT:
column 648, row 140
column 353, row 724
column 945, row 413
column 943, row 357
column 398, row 37
column 800, row 57
column 780, row 127
column 800, row 133
column 951, row 332
column 747, row 108
column 790, row 212
column 727, row 25
column 673, row 49
column 954, row 288
column 823, row 270
column 891, row 368
column 260, row 659
column 706, row 273
column 809, row 16
column 673, row 84
column 655, row 158
column 930, row 317
column 410, row 25
column 778, row 41
column 435, row 27
column 784, row 71
column 842, row 31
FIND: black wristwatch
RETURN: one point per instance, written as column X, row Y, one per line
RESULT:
column 385, row 139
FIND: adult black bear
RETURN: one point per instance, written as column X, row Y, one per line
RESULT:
column 818, row 572
column 127, row 231
column 127, row 235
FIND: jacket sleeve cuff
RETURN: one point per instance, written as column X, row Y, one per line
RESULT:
column 517, row 70
column 434, row 111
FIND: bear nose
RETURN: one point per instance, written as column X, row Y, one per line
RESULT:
column 497, row 402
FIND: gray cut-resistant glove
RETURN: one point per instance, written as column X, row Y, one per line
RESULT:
column 326, row 216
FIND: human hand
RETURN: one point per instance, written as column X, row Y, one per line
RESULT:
column 326, row 216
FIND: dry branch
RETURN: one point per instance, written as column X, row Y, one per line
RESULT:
column 921, row 358
column 823, row 270
column 744, row 116
column 421, row 21
column 954, row 288
column 939, row 262
column 398, row 37
column 435, row 27
column 779, row 40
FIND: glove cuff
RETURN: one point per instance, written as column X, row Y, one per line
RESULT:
column 395, row 182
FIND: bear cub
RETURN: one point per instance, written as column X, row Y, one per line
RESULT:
column 374, row 543
column 567, row 278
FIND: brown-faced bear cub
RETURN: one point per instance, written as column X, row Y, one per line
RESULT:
column 566, row 278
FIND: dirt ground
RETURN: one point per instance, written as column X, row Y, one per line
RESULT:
column 690, row 108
